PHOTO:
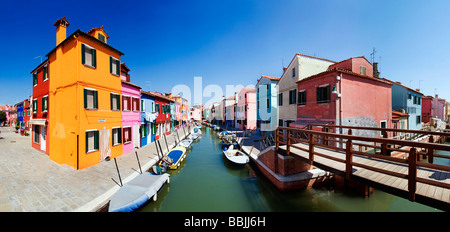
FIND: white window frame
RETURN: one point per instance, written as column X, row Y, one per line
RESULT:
column 131, row 135
column 112, row 134
column 46, row 96
column 115, row 69
column 91, row 130
column 88, row 47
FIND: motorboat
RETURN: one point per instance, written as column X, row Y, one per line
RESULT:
column 236, row 156
column 174, row 158
column 186, row 143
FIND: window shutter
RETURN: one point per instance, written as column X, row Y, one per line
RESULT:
column 110, row 64
column 87, row 140
column 94, row 58
column 317, row 94
column 111, row 96
column 96, row 139
column 83, row 51
column 120, row 135
column 118, row 101
column 118, row 67
column 112, row 137
column 95, row 99
column 328, row 94
column 85, row 98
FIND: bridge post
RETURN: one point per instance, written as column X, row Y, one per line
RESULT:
column 311, row 149
column 412, row 174
column 277, row 139
column 430, row 150
column 348, row 159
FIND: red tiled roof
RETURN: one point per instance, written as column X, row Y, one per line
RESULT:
column 100, row 29
column 345, row 71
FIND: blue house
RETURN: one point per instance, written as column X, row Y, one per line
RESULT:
column 266, row 104
column 407, row 100
column 148, row 116
column 20, row 114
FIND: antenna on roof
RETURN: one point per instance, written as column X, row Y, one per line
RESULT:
column 372, row 55
column 38, row 57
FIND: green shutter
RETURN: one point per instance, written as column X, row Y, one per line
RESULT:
column 328, row 93
column 111, row 100
column 42, row 105
column 120, row 135
column 85, row 98
column 112, row 137
column 83, row 51
column 110, row 64
column 87, row 140
column 118, row 102
column 96, row 139
column 94, row 58
column 95, row 99
column 118, row 67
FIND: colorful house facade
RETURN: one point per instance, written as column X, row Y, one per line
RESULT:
column 346, row 94
column 266, row 97
column 301, row 66
column 40, row 106
column 163, row 121
column 131, row 116
column 148, row 117
column 246, row 109
column 83, row 73
column 409, row 101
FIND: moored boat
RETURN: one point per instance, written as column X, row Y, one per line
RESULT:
column 235, row 156
column 137, row 191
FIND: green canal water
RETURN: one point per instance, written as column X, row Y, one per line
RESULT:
column 205, row 182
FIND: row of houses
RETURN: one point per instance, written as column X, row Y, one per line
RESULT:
column 84, row 108
column 321, row 91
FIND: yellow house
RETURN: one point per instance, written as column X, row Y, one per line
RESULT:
column 84, row 98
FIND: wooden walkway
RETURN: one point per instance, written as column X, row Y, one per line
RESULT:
column 425, row 183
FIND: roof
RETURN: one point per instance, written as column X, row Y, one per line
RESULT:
column 399, row 113
column 352, row 58
column 40, row 65
column 62, row 21
column 129, row 83
column 123, row 66
column 398, row 83
column 347, row 72
column 152, row 94
column 303, row 55
column 98, row 29
column 78, row 32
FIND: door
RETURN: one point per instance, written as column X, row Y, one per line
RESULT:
column 105, row 149
column 136, row 137
column 43, row 134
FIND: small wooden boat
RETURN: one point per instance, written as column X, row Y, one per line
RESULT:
column 176, row 155
column 235, row 156
column 137, row 191
column 186, row 143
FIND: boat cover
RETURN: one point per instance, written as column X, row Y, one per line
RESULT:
column 136, row 192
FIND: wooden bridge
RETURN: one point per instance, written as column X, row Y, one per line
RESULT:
column 391, row 165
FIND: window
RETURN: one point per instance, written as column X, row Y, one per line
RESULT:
column 36, row 138
column 280, row 99
column 45, row 103
column 292, row 96
column 116, row 136
column 90, row 99
column 418, row 119
column 143, row 130
column 34, row 105
column 126, row 103
column 301, row 98
column 92, row 140
column 88, row 56
column 409, row 96
column 115, row 101
column 35, row 79
column 383, row 125
column 114, row 66
column 28, row 112
column 135, row 104
column 142, row 106
column 323, row 94
column 293, row 72
column 157, row 108
column 268, row 103
column 362, row 70
column 45, row 73
column 101, row 37
column 418, row 100
column 126, row 135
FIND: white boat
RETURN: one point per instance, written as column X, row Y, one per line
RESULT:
column 185, row 143
column 235, row 156
column 137, row 191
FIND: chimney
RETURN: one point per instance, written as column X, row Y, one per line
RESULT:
column 61, row 25
column 375, row 70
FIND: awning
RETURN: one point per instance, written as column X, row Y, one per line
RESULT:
column 38, row 121
column 301, row 123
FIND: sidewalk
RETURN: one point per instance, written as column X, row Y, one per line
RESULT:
column 31, row 182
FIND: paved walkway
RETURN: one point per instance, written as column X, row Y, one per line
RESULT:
column 31, row 182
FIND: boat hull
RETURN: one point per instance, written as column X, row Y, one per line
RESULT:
column 238, row 160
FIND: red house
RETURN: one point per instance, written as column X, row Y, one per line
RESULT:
column 162, row 107
column 26, row 114
column 426, row 108
column 39, row 107
column 345, row 94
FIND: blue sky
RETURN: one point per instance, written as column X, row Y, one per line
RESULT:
column 234, row 42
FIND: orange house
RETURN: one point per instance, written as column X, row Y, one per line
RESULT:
column 84, row 112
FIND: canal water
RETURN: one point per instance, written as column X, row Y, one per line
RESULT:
column 205, row 182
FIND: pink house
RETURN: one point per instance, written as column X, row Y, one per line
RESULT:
column 345, row 94
column 246, row 109
column 131, row 113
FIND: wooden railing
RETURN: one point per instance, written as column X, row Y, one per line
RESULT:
column 347, row 143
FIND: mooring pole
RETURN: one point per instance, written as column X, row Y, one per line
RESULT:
column 157, row 151
column 117, row 167
column 160, row 148
column 137, row 157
